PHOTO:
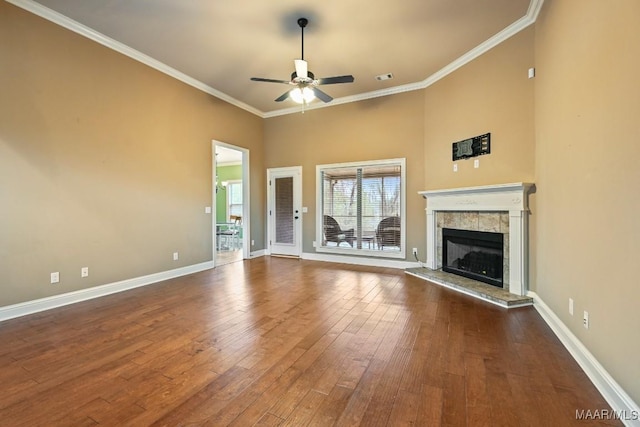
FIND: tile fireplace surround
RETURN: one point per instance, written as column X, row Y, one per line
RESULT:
column 487, row 207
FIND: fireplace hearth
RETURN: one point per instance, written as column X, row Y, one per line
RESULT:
column 477, row 255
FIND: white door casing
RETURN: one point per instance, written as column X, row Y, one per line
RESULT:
column 284, row 211
column 246, row 193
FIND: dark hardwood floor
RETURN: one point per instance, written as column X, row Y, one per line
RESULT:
column 276, row 341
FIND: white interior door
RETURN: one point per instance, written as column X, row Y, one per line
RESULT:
column 285, row 211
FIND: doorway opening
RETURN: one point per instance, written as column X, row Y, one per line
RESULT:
column 230, row 212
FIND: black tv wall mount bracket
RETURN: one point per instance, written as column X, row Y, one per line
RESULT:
column 471, row 147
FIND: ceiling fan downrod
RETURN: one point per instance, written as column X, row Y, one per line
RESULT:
column 306, row 84
column 302, row 22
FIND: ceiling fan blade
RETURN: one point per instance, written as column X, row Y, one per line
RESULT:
column 321, row 95
column 301, row 68
column 260, row 79
column 282, row 97
column 334, row 80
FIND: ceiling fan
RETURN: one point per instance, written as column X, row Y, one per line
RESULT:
column 306, row 85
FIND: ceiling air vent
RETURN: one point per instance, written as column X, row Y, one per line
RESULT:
column 382, row 77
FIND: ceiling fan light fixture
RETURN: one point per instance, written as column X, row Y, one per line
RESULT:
column 305, row 84
column 302, row 95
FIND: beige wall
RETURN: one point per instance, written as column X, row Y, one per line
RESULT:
column 490, row 94
column 104, row 162
column 588, row 145
column 381, row 128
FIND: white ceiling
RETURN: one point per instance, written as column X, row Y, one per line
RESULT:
column 218, row 45
column 227, row 156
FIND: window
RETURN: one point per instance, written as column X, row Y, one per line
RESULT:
column 361, row 208
column 234, row 198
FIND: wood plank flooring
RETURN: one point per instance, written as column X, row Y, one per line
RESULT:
column 284, row 342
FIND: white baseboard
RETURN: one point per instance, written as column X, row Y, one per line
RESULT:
column 42, row 304
column 370, row 262
column 257, row 254
column 620, row 401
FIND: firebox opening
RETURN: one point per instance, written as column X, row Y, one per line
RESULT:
column 478, row 255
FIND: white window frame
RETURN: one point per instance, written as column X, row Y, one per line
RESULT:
column 228, row 194
column 367, row 252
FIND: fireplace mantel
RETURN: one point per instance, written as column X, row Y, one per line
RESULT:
column 512, row 198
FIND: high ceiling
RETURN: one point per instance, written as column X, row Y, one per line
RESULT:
column 219, row 45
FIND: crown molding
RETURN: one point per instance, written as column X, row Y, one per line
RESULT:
column 511, row 30
column 223, row 164
column 534, row 9
column 44, row 12
column 83, row 30
column 347, row 99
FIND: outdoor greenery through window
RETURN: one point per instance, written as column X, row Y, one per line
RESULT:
column 362, row 208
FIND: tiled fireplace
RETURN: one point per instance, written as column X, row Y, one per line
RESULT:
column 494, row 208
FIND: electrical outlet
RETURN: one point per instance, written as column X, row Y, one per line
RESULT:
column 476, row 163
column 253, row 242
column 455, row 167
column 84, row 272
column 414, row 251
column 571, row 306
column 175, row 256
column 585, row 320
column 55, row 277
